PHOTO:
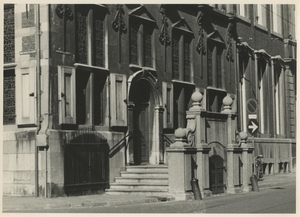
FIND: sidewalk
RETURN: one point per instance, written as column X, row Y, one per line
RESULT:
column 10, row 203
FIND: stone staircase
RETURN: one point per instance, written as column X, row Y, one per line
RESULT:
column 148, row 180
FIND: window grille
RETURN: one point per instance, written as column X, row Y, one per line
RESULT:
column 9, row 95
column 9, row 35
column 82, row 38
column 175, row 47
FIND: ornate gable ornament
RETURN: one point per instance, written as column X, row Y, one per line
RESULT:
column 142, row 13
column 183, row 26
column 216, row 36
column 164, row 37
column 230, row 32
column 118, row 22
column 200, row 47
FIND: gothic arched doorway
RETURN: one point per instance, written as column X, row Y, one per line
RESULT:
column 145, row 119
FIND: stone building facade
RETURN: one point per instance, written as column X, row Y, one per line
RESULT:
column 92, row 89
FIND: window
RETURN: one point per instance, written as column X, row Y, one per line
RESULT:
column 264, row 95
column 214, row 64
column 91, row 74
column 276, row 18
column 215, row 100
column 90, row 35
column 241, row 10
column 9, row 87
column 261, row 16
column 141, row 45
column 82, row 89
column 9, row 97
column 243, row 64
column 279, row 97
column 9, row 34
column 181, row 56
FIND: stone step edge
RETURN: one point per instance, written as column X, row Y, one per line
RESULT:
column 138, row 184
column 136, row 190
column 144, row 172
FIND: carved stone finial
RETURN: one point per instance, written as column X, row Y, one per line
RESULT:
column 197, row 98
column 180, row 138
column 227, row 102
column 243, row 138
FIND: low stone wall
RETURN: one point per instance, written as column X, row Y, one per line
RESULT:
column 19, row 162
column 277, row 152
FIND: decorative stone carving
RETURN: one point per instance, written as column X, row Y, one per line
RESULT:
column 227, row 102
column 200, row 47
column 229, row 53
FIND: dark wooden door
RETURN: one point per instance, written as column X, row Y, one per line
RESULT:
column 141, row 133
column 216, row 167
column 86, row 169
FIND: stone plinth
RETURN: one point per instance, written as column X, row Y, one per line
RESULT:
column 181, row 171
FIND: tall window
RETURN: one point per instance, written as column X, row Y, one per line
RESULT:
column 214, row 64
column 90, row 35
column 263, row 95
column 243, row 64
column 9, row 89
column 181, row 56
column 9, row 97
column 279, row 98
column 9, row 34
column 276, row 14
column 261, row 14
column 141, row 51
column 82, row 91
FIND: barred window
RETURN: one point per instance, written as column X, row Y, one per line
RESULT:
column 134, row 44
column 9, row 96
column 214, row 64
column 141, row 51
column 181, row 63
column 90, row 35
column 175, row 55
column 9, row 34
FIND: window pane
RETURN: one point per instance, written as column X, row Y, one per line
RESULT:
column 82, row 36
column 9, row 35
column 175, row 56
column 147, row 46
column 9, row 95
column 187, row 62
column 219, row 68
column 99, row 43
column 209, row 65
column 133, row 44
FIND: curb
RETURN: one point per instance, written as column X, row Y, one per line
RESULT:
column 86, row 204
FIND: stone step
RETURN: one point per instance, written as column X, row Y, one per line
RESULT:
column 152, row 169
column 142, row 192
column 150, row 180
column 144, row 174
column 139, row 186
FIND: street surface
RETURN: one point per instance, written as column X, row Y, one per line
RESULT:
column 272, row 200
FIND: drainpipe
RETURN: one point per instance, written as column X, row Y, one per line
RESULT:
column 38, row 93
column 42, row 124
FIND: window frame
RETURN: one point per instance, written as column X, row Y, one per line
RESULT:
column 185, row 37
column 279, row 97
column 141, row 24
column 276, row 18
column 215, row 79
